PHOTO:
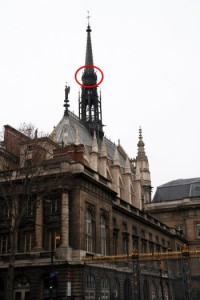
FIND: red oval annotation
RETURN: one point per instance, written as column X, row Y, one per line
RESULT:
column 89, row 86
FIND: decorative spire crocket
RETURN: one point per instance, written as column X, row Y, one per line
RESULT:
column 90, row 102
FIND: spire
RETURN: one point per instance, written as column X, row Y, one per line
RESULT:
column 127, row 166
column 89, row 76
column 90, row 101
column 103, row 152
column 66, row 101
column 89, row 55
column 141, row 151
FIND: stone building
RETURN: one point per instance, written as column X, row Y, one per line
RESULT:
column 72, row 195
column 177, row 204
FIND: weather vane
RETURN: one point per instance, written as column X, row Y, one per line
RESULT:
column 88, row 16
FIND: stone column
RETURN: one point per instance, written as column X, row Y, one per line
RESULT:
column 65, row 220
column 39, row 224
column 64, row 252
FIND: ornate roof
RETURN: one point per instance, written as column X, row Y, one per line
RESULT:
column 65, row 133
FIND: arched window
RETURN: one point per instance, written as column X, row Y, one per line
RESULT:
column 103, row 234
column 89, row 231
column 105, row 289
column 90, row 288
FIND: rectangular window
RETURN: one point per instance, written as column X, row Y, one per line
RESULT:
column 53, row 240
column 103, row 240
column 158, row 248
column 115, row 237
column 28, row 241
column 30, row 207
column 125, row 245
column 157, row 240
column 114, row 221
column 144, row 247
column 134, row 230
column 4, row 243
column 198, row 231
column 163, row 242
column 54, row 205
column 135, row 243
column 124, row 226
column 88, row 236
column 151, row 248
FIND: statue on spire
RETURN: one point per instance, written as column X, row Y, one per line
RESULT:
column 66, row 101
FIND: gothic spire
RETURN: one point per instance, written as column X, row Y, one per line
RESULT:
column 89, row 76
column 90, row 101
column 89, row 55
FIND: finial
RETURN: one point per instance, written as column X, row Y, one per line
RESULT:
column 141, row 151
column 140, row 132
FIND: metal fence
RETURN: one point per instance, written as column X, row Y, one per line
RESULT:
column 155, row 276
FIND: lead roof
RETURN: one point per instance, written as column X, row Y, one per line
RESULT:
column 178, row 189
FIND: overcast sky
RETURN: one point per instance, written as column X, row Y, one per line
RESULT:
column 149, row 52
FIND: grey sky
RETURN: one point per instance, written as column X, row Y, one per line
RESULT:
column 149, row 52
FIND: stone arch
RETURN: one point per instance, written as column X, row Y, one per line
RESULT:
column 105, row 289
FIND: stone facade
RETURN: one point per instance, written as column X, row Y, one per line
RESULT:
column 72, row 195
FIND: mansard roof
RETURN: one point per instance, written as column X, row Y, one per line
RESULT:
column 178, row 189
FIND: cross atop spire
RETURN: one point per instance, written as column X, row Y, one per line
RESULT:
column 88, row 17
